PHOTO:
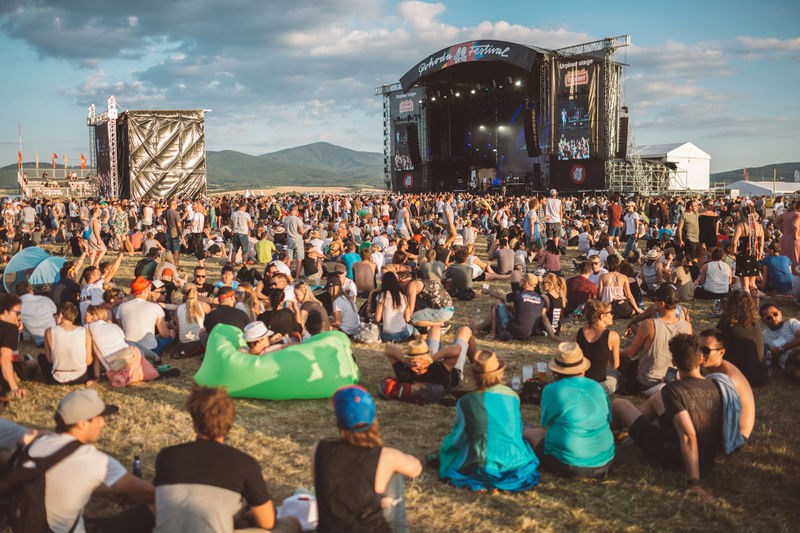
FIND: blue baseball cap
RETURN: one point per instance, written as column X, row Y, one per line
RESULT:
column 355, row 408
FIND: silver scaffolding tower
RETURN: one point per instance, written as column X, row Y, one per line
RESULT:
column 109, row 118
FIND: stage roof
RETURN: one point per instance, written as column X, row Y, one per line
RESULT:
column 519, row 55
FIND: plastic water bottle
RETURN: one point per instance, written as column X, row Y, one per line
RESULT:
column 768, row 359
column 516, row 383
column 715, row 311
column 137, row 466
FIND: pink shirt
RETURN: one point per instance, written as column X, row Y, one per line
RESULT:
column 552, row 262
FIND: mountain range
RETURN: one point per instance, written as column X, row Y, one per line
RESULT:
column 314, row 165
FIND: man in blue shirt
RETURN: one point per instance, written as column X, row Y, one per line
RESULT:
column 350, row 258
column 776, row 271
column 576, row 438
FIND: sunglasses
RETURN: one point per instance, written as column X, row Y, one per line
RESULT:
column 198, row 276
column 775, row 314
column 705, row 350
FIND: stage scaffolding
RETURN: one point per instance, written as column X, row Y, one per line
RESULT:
column 634, row 175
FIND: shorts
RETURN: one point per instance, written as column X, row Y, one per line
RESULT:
column 296, row 249
column 401, row 336
column 655, row 443
column 451, row 231
column 433, row 315
column 614, row 231
column 692, row 248
column 173, row 244
column 552, row 464
column 436, row 373
column 504, row 318
column 552, row 230
column 240, row 240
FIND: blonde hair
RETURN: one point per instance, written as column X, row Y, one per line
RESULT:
column 554, row 283
column 306, row 292
column 250, row 300
column 193, row 309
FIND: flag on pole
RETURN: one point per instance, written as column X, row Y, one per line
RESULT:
column 746, row 177
column 54, row 160
column 37, row 160
column 19, row 160
column 65, row 161
column 83, row 162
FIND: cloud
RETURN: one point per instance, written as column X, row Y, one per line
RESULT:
column 770, row 44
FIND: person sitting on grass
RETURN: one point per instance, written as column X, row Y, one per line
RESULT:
column 261, row 340
column 393, row 310
column 87, row 472
column 526, row 317
column 575, row 438
column 689, row 432
column 67, row 350
column 485, row 449
column 210, row 498
column 11, row 365
column 782, row 338
column 140, row 317
column 123, row 361
column 600, row 345
column 358, row 481
column 425, row 361
column 37, row 313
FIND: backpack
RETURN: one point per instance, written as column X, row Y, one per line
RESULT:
column 532, row 391
column 22, row 488
column 141, row 265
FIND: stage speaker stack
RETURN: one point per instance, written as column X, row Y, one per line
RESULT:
column 531, row 133
column 622, row 139
column 413, row 144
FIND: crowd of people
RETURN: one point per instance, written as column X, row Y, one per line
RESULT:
column 393, row 269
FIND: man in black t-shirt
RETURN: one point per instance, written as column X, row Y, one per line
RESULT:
column 201, row 485
column 10, row 326
column 204, row 288
column 689, row 430
column 526, row 315
column 225, row 313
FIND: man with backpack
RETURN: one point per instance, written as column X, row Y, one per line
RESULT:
column 77, row 470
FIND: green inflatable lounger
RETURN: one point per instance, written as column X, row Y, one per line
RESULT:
column 315, row 368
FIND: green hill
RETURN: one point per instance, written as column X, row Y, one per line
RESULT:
column 314, row 165
column 784, row 172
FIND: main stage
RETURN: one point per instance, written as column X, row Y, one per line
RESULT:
column 494, row 114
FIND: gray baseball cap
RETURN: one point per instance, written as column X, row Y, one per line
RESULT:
column 83, row 404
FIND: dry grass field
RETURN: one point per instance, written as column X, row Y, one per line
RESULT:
column 757, row 486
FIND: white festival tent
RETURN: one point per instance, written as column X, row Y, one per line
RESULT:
column 763, row 188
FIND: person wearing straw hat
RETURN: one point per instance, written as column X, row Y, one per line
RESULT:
column 486, row 449
column 575, row 438
column 653, row 273
column 427, row 362
column 260, row 339
column 358, row 480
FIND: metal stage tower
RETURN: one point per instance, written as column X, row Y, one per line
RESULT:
column 109, row 117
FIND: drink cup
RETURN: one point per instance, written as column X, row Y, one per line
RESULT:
column 541, row 370
column 515, row 383
column 485, row 286
column 527, row 372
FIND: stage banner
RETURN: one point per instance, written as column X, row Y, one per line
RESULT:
column 583, row 174
column 485, row 51
column 576, row 109
column 407, row 181
column 405, row 105
column 103, row 158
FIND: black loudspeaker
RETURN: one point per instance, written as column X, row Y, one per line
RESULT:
column 531, row 133
column 413, row 144
column 622, row 139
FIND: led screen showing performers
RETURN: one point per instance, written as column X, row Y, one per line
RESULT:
column 402, row 155
column 574, row 129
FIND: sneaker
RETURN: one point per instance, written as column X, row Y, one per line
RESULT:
column 171, row 373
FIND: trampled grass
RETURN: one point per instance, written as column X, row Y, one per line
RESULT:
column 757, row 486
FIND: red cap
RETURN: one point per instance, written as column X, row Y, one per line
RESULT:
column 167, row 272
column 139, row 284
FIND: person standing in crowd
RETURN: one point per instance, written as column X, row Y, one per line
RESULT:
column 554, row 213
column 241, row 224
column 174, row 231
column 633, row 222
column 575, row 438
column 358, row 480
column 294, row 239
column 748, row 247
column 209, row 499
column 614, row 211
column 689, row 230
column 790, row 234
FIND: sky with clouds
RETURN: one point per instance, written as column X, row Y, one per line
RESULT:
column 723, row 75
